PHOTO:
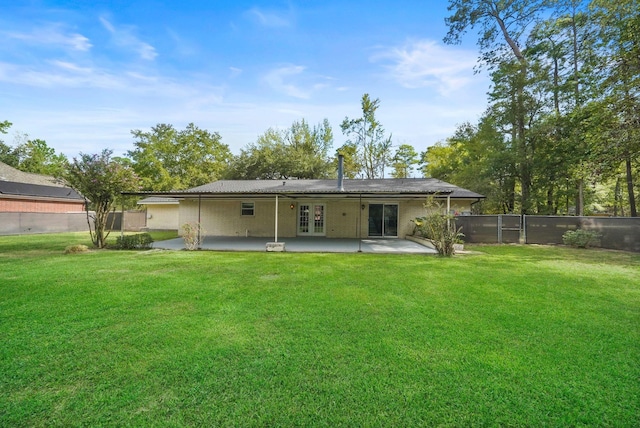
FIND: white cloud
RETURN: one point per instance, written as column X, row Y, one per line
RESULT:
column 279, row 78
column 269, row 18
column 53, row 35
column 124, row 37
column 235, row 71
column 425, row 63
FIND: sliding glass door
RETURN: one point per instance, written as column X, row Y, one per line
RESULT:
column 383, row 220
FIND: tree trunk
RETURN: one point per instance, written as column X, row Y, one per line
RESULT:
column 616, row 198
column 525, row 170
column 632, row 198
column 580, row 198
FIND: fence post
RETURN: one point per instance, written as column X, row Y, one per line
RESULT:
column 499, row 228
column 523, row 229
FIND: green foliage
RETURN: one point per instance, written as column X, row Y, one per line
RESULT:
column 138, row 241
column 4, row 126
column 168, row 159
column 7, row 154
column 580, row 238
column 564, row 101
column 352, row 166
column 439, row 228
column 192, row 233
column 100, row 180
column 33, row 156
column 476, row 158
column 367, row 136
column 297, row 152
column 403, row 161
column 37, row 157
column 76, row 248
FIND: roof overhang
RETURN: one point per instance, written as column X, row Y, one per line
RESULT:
column 296, row 195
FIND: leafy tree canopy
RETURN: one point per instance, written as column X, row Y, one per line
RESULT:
column 297, row 152
column 100, row 180
column 367, row 136
column 168, row 159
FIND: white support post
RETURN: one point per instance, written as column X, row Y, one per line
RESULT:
column 276, row 231
column 448, row 211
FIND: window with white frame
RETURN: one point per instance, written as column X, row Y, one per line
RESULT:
column 248, row 208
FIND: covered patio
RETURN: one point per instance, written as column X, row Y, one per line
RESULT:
column 304, row 245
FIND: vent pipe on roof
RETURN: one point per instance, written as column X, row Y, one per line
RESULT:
column 340, row 172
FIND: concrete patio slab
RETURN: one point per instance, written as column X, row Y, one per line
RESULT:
column 304, row 245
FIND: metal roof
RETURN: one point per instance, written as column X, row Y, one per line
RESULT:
column 396, row 187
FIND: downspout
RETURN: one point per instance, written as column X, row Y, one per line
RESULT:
column 473, row 203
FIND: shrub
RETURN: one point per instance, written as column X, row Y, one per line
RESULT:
column 192, row 234
column 439, row 228
column 140, row 241
column 580, row 238
column 74, row 249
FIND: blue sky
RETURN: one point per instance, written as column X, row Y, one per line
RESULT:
column 82, row 74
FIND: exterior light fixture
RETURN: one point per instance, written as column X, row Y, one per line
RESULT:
column 292, row 206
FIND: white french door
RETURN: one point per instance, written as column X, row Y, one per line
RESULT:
column 311, row 219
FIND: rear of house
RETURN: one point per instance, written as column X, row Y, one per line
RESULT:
column 324, row 208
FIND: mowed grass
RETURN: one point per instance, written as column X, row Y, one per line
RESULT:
column 516, row 336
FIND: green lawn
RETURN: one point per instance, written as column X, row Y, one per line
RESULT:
column 517, row 336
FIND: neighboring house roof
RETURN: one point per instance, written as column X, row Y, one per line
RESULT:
column 395, row 187
column 9, row 173
column 14, row 182
column 35, row 190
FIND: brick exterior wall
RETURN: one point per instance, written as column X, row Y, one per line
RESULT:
column 39, row 206
column 343, row 217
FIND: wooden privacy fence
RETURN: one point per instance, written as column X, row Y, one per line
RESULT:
column 134, row 221
column 617, row 233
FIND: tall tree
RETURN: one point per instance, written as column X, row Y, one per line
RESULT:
column 37, row 157
column 503, row 22
column 403, row 161
column 477, row 158
column 351, row 162
column 8, row 155
column 563, row 48
column 368, row 136
column 297, row 152
column 100, row 180
column 168, row 159
column 619, row 23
